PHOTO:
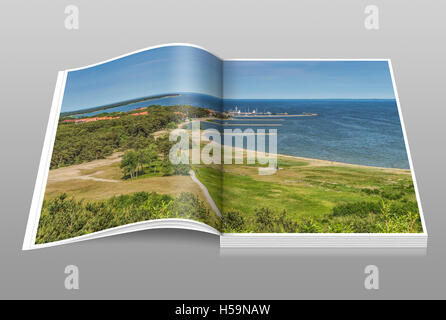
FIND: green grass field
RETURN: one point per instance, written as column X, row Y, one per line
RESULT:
column 318, row 192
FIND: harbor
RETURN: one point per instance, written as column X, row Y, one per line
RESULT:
column 238, row 113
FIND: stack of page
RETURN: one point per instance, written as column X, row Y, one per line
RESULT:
column 262, row 153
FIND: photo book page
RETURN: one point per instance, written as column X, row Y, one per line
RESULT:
column 262, row 153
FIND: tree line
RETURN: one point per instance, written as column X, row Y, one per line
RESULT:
column 135, row 163
column 77, row 143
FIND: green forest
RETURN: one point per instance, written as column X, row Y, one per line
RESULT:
column 77, row 143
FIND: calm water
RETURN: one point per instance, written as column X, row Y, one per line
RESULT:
column 364, row 132
column 192, row 99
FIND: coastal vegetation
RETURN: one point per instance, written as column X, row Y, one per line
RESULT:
column 390, row 217
column 113, row 169
column 315, row 196
column 139, row 163
column 76, row 143
column 64, row 217
column 112, row 172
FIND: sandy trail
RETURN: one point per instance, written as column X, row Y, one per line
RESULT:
column 86, row 171
column 75, row 171
column 205, row 192
column 159, row 133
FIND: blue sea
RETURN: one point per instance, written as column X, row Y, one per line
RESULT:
column 192, row 99
column 366, row 132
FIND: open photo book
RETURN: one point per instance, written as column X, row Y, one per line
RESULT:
column 262, row 153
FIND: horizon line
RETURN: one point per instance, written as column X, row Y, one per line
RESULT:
column 216, row 97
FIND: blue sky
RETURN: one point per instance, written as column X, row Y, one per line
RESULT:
column 157, row 71
column 176, row 69
column 307, row 80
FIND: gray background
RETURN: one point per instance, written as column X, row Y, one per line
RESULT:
column 180, row 264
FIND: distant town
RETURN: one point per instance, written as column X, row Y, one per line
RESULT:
column 236, row 112
column 93, row 119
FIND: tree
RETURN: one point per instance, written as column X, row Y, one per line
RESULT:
column 181, row 169
column 129, row 163
column 150, row 155
column 164, row 145
column 166, row 168
column 172, row 125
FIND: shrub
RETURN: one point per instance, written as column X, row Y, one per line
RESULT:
column 188, row 205
column 233, row 221
column 360, row 208
column 269, row 221
column 265, row 221
column 309, row 225
column 181, row 169
column 64, row 217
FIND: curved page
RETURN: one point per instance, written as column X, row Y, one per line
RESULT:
column 118, row 144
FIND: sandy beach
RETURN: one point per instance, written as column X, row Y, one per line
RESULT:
column 320, row 162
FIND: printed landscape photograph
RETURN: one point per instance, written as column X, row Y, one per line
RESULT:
column 333, row 128
column 342, row 162
column 110, row 162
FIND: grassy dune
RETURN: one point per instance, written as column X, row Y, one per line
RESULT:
column 318, row 192
column 81, row 188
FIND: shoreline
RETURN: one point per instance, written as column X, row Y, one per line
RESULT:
column 321, row 162
column 325, row 163
column 316, row 161
column 311, row 161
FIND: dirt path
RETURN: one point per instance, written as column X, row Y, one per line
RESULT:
column 77, row 171
column 98, row 180
column 159, row 133
column 206, row 192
